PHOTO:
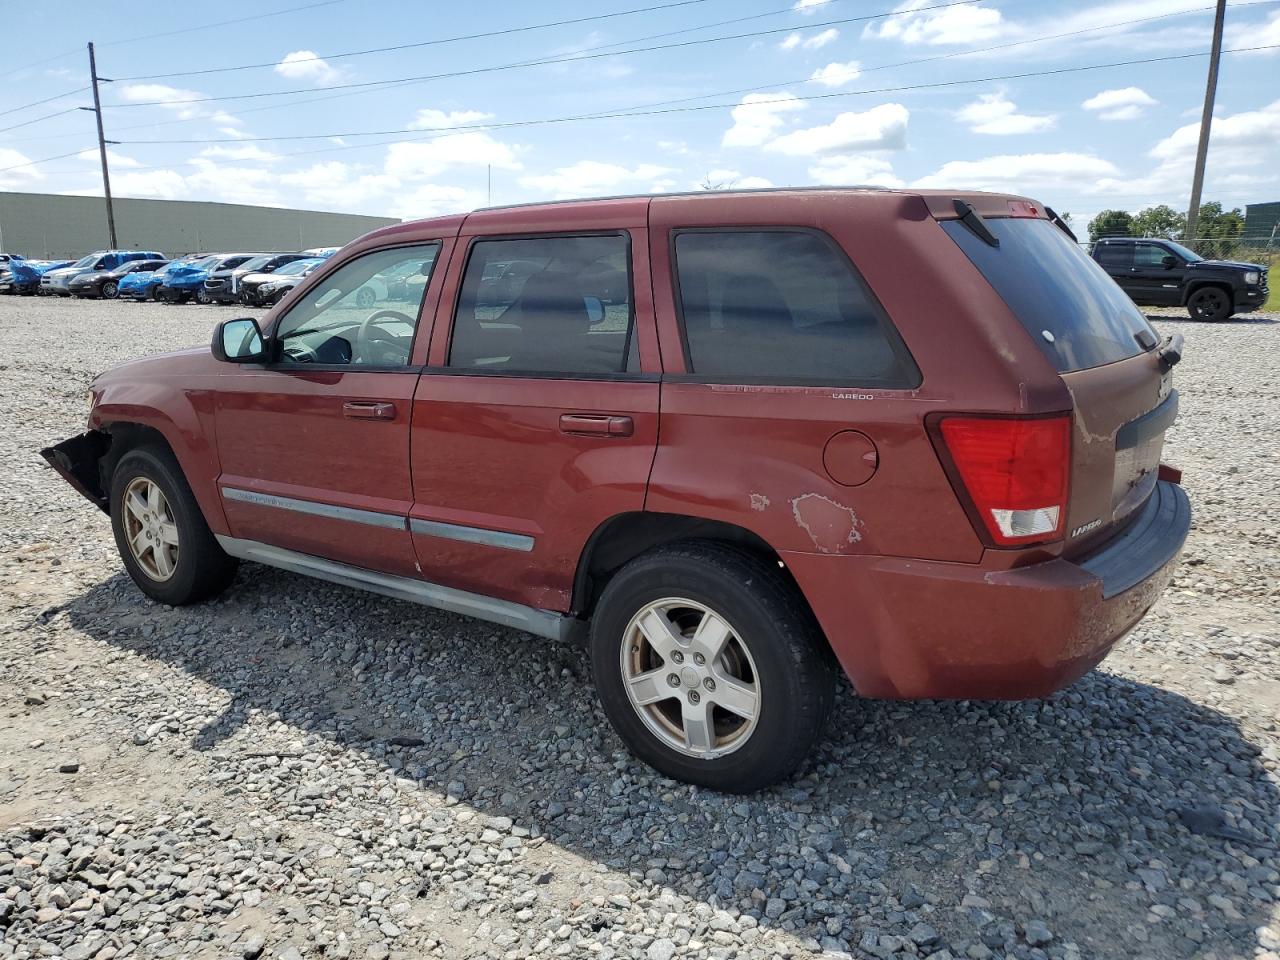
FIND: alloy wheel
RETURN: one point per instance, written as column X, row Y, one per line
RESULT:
column 691, row 678
column 150, row 529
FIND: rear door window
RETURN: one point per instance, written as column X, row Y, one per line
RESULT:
column 782, row 306
column 1115, row 256
column 546, row 305
column 1077, row 315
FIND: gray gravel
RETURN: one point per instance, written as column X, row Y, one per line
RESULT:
column 299, row 771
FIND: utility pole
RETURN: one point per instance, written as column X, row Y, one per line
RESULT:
column 1206, row 121
column 102, row 148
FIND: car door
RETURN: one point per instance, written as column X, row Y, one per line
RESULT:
column 1116, row 257
column 314, row 446
column 536, row 420
column 1160, row 283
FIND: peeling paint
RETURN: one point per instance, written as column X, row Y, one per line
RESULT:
column 830, row 525
column 759, row 502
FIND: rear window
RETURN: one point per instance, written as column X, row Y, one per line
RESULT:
column 783, row 306
column 1076, row 313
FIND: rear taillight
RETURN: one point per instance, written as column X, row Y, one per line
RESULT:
column 1014, row 471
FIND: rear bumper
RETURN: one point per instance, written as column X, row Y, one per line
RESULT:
column 917, row 629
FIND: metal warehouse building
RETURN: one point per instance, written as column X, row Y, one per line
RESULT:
column 49, row 226
column 1260, row 220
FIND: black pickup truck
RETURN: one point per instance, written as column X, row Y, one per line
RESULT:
column 1161, row 273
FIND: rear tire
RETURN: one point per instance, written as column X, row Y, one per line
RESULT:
column 1210, row 304
column 167, row 547
column 739, row 636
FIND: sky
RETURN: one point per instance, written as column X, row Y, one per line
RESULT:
column 746, row 93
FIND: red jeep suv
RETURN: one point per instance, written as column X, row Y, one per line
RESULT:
column 738, row 438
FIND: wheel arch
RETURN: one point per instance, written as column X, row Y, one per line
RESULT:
column 1197, row 285
column 625, row 536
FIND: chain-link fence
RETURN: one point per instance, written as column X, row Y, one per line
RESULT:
column 1244, row 249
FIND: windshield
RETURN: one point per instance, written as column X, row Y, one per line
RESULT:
column 1189, row 255
column 88, row 261
column 1075, row 312
column 254, row 264
column 297, row 268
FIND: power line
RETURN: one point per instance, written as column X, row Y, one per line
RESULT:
column 367, row 84
column 32, row 163
column 47, row 116
column 36, row 103
column 37, row 63
column 627, row 112
column 429, row 43
column 221, row 23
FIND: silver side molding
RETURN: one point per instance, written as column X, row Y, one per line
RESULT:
column 543, row 623
column 488, row 538
column 373, row 518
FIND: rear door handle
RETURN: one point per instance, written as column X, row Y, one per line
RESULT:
column 596, row 425
column 369, row 410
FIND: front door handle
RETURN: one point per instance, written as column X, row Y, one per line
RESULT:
column 596, row 425
column 369, row 410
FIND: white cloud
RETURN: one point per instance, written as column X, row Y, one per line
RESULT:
column 435, row 200
column 817, row 41
column 967, row 23
column 176, row 100
column 855, row 170
column 430, row 119
column 247, row 152
column 809, row 6
column 1013, row 172
column 23, row 173
column 310, row 67
column 1125, row 103
column 837, row 74
column 592, row 178
column 994, row 113
column 1247, row 137
column 429, row 158
column 1265, row 34
column 732, row 179
column 114, row 160
column 880, row 128
column 335, row 185
column 758, row 117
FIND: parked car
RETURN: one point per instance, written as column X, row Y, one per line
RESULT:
column 322, row 252
column 144, row 284
column 59, row 281
column 264, row 289
column 106, row 283
column 916, row 433
column 223, row 284
column 23, row 276
column 186, row 282
column 1162, row 273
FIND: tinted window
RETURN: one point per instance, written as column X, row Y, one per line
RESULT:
column 1115, row 255
column 347, row 319
column 1077, row 314
column 783, row 306
column 1150, row 256
column 545, row 305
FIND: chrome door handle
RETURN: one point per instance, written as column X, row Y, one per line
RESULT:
column 364, row 410
column 596, row 425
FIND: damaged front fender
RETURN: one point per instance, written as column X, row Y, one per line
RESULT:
column 77, row 462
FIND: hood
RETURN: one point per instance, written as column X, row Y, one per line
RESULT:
column 136, row 279
column 67, row 272
column 168, row 366
column 1225, row 265
column 254, row 279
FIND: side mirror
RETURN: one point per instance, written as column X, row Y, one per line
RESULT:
column 268, row 269
column 1169, row 262
column 238, row 341
column 100, row 265
column 595, row 308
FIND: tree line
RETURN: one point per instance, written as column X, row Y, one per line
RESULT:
column 1224, row 227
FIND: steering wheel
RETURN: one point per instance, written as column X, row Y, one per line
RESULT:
column 370, row 333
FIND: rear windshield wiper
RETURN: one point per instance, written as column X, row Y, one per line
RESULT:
column 973, row 220
column 1061, row 224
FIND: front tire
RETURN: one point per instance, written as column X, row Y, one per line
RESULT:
column 167, row 547
column 1211, row 304
column 202, row 296
column 710, row 667
column 110, row 290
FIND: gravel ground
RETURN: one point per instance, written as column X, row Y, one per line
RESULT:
column 300, row 770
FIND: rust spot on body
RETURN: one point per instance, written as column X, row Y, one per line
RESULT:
column 759, row 502
column 830, row 525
